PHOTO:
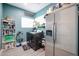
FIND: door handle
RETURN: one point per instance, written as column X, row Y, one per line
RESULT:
column 54, row 32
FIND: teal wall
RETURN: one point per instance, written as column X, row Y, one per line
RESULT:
column 0, row 24
column 43, row 11
column 16, row 14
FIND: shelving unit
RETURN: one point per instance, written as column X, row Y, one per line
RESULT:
column 8, row 33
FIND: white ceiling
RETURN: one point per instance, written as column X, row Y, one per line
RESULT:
column 32, row 7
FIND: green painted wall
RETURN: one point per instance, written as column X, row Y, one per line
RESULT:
column 16, row 14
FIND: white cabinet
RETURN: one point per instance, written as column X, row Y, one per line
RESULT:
column 67, row 30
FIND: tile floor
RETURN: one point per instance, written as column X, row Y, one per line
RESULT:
column 18, row 51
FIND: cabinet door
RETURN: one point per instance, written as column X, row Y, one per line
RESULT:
column 66, row 43
column 49, row 39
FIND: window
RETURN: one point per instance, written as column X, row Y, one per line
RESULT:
column 40, row 21
column 26, row 22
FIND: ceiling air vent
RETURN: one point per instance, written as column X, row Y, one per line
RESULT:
column 26, row 13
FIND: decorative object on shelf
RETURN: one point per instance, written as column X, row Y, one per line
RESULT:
column 8, row 18
column 8, row 26
column 57, row 6
column 54, row 7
